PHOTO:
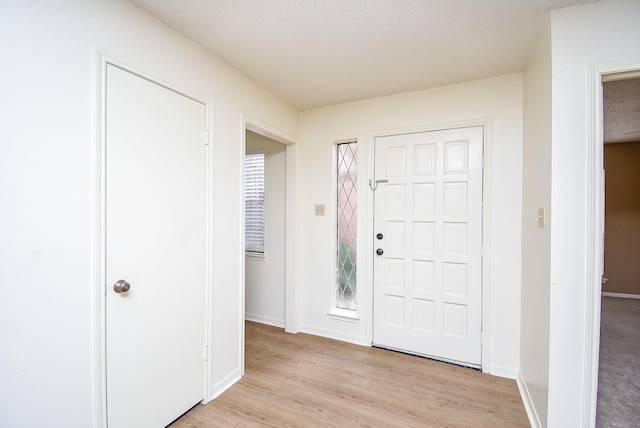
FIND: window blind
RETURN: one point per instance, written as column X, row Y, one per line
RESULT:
column 254, row 202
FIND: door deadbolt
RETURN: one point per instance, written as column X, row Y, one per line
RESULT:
column 379, row 236
column 121, row 286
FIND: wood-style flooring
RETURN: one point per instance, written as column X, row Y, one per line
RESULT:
column 308, row 381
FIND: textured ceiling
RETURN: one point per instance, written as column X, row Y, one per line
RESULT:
column 621, row 111
column 314, row 53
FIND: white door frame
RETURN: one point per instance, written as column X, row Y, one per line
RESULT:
column 99, row 230
column 291, row 319
column 486, row 222
column 595, row 213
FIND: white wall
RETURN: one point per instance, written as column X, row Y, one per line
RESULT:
column 47, row 178
column 536, row 193
column 265, row 278
column 499, row 99
column 594, row 34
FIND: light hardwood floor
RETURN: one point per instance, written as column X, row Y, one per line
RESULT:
column 308, row 381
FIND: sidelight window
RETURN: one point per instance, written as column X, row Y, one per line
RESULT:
column 347, row 198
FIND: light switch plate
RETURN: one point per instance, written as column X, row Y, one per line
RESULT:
column 319, row 209
column 542, row 218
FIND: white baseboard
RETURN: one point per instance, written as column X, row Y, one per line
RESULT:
column 503, row 371
column 528, row 403
column 336, row 335
column 264, row 320
column 621, row 295
column 225, row 384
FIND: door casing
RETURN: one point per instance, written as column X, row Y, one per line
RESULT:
column 291, row 315
column 486, row 222
column 595, row 229
column 99, row 230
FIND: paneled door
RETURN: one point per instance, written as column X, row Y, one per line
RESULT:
column 155, row 251
column 428, row 244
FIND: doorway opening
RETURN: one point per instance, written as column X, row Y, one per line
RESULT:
column 597, row 75
column 283, row 154
column 265, row 229
column 619, row 369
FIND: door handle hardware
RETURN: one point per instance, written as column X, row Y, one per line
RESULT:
column 121, row 286
column 379, row 236
column 379, row 251
column 375, row 183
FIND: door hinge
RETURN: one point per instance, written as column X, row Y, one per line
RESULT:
column 206, row 137
column 205, row 353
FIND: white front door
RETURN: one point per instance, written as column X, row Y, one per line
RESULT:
column 155, row 241
column 428, row 244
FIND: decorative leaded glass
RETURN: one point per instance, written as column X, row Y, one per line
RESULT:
column 347, row 224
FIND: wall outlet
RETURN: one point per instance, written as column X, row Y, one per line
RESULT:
column 319, row 209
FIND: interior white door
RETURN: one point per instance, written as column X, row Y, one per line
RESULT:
column 155, row 241
column 428, row 244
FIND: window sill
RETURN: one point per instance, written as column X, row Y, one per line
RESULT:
column 344, row 315
column 258, row 257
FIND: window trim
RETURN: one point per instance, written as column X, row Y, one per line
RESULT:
column 253, row 256
column 340, row 314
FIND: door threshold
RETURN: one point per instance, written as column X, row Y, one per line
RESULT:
column 429, row 357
